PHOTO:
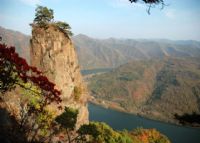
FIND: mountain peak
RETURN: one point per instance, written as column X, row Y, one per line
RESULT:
column 82, row 36
column 54, row 54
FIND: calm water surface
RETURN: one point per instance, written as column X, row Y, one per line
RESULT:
column 120, row 121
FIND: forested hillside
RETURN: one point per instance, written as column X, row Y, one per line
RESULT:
column 158, row 89
column 145, row 81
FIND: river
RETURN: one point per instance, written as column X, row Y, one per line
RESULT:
column 119, row 121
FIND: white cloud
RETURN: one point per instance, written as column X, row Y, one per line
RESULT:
column 31, row 2
column 170, row 13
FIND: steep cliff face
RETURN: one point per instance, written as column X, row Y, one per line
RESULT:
column 54, row 54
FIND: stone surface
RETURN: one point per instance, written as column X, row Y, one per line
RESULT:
column 53, row 53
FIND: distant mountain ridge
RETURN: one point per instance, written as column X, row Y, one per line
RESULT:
column 142, row 61
column 111, row 53
column 17, row 39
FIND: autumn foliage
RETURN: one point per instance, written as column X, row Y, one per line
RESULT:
column 148, row 136
column 37, row 124
column 14, row 69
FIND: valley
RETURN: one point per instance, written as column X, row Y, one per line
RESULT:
column 157, row 79
column 156, row 89
column 106, row 71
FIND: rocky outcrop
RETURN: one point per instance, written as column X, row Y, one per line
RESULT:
column 53, row 53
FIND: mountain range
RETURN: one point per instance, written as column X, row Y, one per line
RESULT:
column 17, row 39
column 111, row 53
column 155, row 78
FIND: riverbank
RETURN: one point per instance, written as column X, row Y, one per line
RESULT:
column 120, row 121
column 117, row 107
column 107, row 104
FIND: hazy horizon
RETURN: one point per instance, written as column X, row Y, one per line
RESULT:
column 117, row 38
column 103, row 19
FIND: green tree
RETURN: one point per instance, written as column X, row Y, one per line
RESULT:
column 68, row 120
column 64, row 27
column 102, row 133
column 43, row 16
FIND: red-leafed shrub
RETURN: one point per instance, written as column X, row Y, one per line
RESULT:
column 34, row 121
column 14, row 69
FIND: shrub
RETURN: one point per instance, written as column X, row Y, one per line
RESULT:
column 77, row 93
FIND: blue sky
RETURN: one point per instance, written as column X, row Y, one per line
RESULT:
column 110, row 18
